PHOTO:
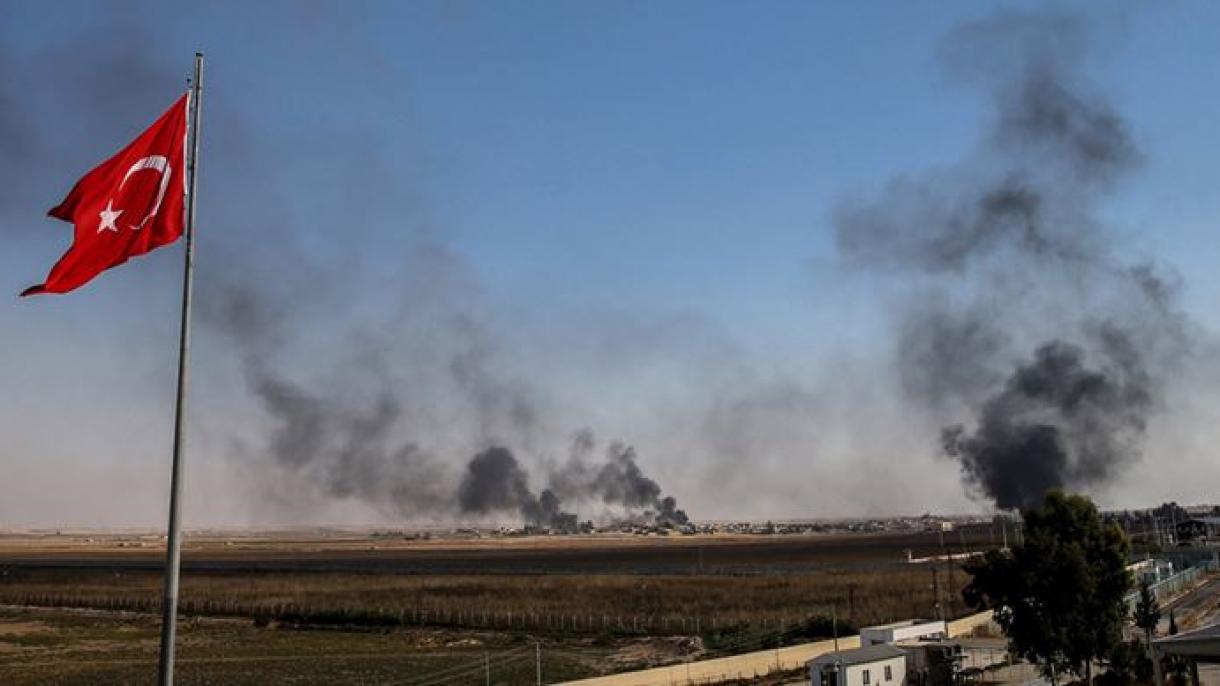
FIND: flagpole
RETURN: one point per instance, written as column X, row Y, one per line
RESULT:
column 173, row 553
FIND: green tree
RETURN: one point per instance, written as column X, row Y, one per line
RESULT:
column 1147, row 615
column 1147, row 611
column 1059, row 595
column 1128, row 664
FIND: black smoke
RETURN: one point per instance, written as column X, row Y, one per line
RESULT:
column 668, row 513
column 494, row 481
column 620, row 480
column 1006, row 251
column 1056, row 423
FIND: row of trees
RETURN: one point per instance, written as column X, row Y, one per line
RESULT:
column 1060, row 595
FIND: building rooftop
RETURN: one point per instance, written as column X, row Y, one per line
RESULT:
column 1210, row 632
column 859, row 656
column 903, row 624
column 1203, row 642
column 966, row 643
column 1205, row 520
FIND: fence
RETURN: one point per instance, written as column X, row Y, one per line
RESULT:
column 1171, row 586
column 322, row 615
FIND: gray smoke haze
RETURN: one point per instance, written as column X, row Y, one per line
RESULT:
column 1031, row 187
column 354, row 439
column 949, row 353
column 347, row 446
column 1005, row 248
column 76, row 81
column 617, row 481
column 329, row 378
column 17, row 137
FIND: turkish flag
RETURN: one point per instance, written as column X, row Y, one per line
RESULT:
column 128, row 205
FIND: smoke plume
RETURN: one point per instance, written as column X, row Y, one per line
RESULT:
column 1006, row 250
column 494, row 481
column 1056, row 423
column 355, row 436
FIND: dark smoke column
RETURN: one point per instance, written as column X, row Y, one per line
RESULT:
column 1004, row 252
column 1055, row 424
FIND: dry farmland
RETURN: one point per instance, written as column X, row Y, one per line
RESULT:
column 330, row 605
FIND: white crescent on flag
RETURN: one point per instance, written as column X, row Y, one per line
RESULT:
column 160, row 164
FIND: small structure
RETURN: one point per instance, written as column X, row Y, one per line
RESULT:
column 945, row 663
column 1200, row 645
column 1197, row 529
column 1151, row 570
column 877, row 665
column 906, row 630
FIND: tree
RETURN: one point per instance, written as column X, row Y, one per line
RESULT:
column 1059, row 595
column 1147, row 611
column 1148, row 614
column 1128, row 664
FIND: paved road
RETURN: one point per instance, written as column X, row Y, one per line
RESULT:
column 750, row 664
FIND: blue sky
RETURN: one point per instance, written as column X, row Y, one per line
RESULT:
column 671, row 164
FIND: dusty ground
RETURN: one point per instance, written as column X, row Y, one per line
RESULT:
column 586, row 578
column 601, row 553
column 41, row 646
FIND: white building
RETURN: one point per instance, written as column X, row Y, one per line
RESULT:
column 907, row 630
column 878, row 665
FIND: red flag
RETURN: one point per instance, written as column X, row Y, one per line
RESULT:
column 128, row 205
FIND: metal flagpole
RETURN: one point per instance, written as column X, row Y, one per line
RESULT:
column 173, row 553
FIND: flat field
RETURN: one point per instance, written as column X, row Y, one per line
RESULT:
column 344, row 607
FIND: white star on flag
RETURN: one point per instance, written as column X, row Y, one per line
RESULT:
column 109, row 215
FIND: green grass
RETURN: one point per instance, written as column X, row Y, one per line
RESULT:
column 73, row 648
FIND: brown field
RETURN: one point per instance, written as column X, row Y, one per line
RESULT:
column 610, row 553
column 608, row 603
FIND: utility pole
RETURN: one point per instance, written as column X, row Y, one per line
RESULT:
column 936, row 595
column 949, row 569
column 487, row 668
column 538, row 661
column 834, row 625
